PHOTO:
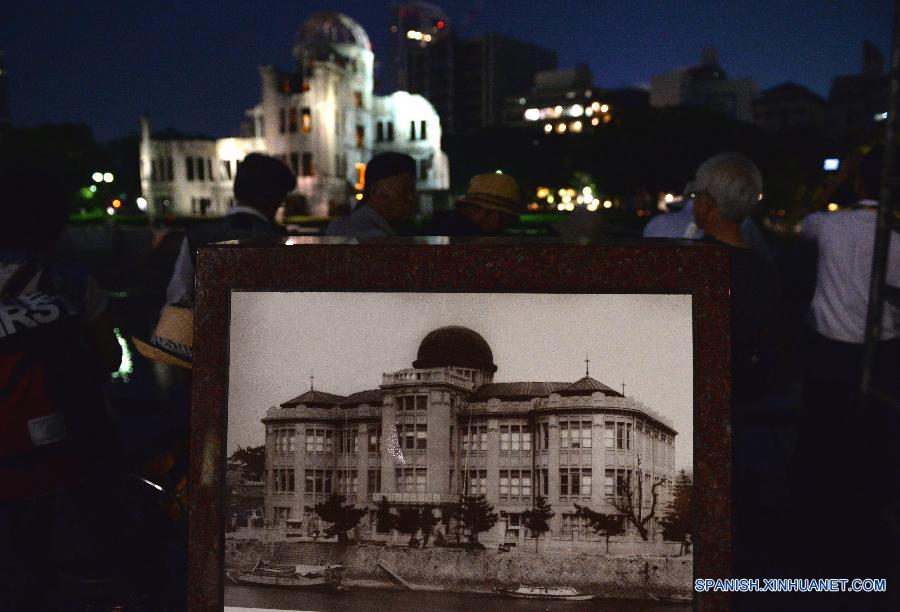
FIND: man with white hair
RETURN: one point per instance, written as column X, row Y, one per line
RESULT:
column 726, row 190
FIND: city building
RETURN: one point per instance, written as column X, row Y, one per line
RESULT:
column 705, row 85
column 566, row 102
column 443, row 428
column 322, row 119
column 858, row 101
column 4, row 100
column 788, row 106
column 466, row 79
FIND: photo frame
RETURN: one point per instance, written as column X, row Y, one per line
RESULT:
column 495, row 267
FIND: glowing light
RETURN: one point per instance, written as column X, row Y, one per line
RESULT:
column 359, row 197
column 579, row 200
column 586, row 191
column 533, row 206
column 542, row 192
column 576, row 110
column 414, row 35
column 832, row 206
column 110, row 210
column 498, row 171
column 562, row 192
column 593, row 205
column 141, row 203
column 548, row 128
column 607, row 118
column 595, row 121
column 759, row 198
column 532, row 114
column 567, row 199
column 117, row 203
column 87, row 193
column 571, row 192
column 561, row 128
column 557, row 110
column 576, row 127
column 604, row 108
column 570, row 206
column 550, row 199
column 108, row 177
column 831, row 164
column 669, row 198
column 588, row 112
column 441, row 24
column 427, row 37
column 93, row 188
column 97, row 177
column 607, row 204
column 560, row 206
column 595, row 106
column 126, row 366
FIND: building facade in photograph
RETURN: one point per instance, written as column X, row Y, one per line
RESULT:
column 322, row 119
column 443, row 428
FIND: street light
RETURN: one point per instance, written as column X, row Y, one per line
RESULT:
column 97, row 177
column 141, row 203
column 108, row 177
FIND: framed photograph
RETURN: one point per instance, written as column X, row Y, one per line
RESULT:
column 478, row 421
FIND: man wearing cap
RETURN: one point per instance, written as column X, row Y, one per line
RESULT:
column 389, row 199
column 490, row 205
column 260, row 187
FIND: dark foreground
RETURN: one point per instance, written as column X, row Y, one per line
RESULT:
column 379, row 600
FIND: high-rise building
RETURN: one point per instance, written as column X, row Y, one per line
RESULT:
column 466, row 79
column 858, row 101
column 788, row 106
column 321, row 118
column 705, row 85
column 4, row 101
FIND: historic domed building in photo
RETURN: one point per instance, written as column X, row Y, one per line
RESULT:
column 321, row 118
column 443, row 428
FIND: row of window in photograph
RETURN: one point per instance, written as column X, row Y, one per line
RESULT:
column 513, row 437
column 512, row 485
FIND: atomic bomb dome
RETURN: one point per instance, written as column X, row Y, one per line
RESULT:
column 324, row 30
column 455, row 346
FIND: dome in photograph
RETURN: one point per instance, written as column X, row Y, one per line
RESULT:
column 325, row 29
column 455, row 346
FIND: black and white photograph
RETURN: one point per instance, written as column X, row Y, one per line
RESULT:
column 476, row 447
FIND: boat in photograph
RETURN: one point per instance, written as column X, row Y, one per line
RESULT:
column 565, row 593
column 297, row 576
column 671, row 598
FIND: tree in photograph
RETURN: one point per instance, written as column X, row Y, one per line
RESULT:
column 537, row 519
column 629, row 499
column 251, row 460
column 427, row 521
column 340, row 516
column 408, row 521
column 384, row 519
column 676, row 525
column 604, row 524
column 477, row 515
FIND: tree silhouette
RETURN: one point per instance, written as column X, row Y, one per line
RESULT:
column 603, row 524
column 340, row 516
column 537, row 519
column 251, row 460
column 477, row 515
column 629, row 500
column 384, row 520
column 676, row 525
column 408, row 521
column 427, row 521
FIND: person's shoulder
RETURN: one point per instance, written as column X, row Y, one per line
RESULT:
column 812, row 223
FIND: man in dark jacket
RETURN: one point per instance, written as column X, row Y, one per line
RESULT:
column 260, row 187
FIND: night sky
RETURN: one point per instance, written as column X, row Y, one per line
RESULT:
column 193, row 66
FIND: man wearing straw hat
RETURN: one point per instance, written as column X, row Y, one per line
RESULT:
column 490, row 205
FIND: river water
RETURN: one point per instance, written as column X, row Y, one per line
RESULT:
column 391, row 600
